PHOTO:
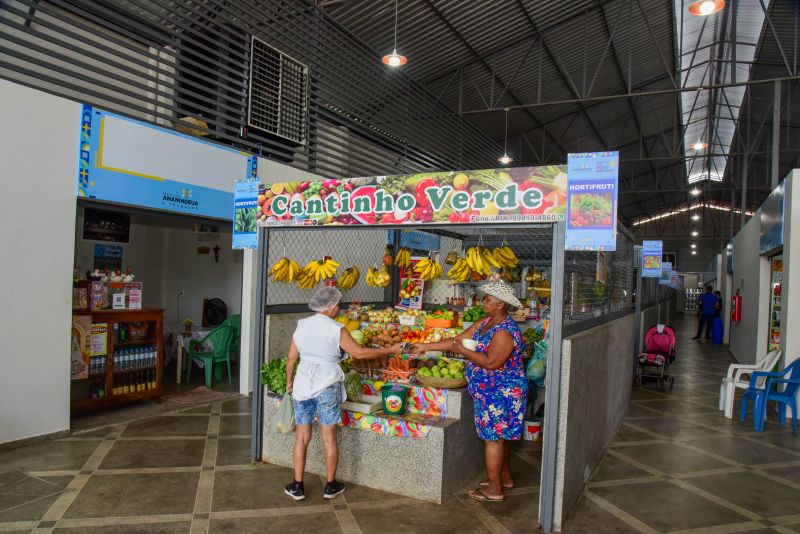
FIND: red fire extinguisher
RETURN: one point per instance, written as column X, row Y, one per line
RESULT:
column 736, row 307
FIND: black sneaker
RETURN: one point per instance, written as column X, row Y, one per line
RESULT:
column 332, row 489
column 295, row 490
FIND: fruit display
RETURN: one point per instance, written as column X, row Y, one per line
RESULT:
column 387, row 338
column 505, row 257
column 428, row 269
column 348, row 278
column 482, row 261
column 510, row 276
column 444, row 368
column 532, row 335
column 473, row 314
column 409, row 289
column 403, row 258
column 285, row 270
column 399, row 370
column 382, row 316
column 460, row 271
column 378, row 277
column 413, row 335
column 440, row 313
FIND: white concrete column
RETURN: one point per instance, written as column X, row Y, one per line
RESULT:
column 249, row 311
column 790, row 290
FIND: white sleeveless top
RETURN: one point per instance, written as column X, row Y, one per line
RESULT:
column 317, row 341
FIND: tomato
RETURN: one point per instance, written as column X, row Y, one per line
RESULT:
column 453, row 217
column 420, row 196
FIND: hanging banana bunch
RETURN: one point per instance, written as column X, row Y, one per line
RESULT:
column 348, row 278
column 480, row 260
column 460, row 271
column 428, row 269
column 321, row 269
column 505, row 257
column 403, row 258
column 285, row 270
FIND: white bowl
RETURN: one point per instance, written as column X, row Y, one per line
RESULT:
column 470, row 344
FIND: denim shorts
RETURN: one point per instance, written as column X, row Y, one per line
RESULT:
column 326, row 405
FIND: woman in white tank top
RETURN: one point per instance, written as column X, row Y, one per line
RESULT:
column 318, row 386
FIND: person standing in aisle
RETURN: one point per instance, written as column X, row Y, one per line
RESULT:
column 318, row 387
column 706, row 308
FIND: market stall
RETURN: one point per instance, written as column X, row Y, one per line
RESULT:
column 409, row 253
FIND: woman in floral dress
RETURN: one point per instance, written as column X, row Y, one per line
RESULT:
column 497, row 383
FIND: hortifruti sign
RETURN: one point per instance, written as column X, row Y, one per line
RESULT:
column 518, row 195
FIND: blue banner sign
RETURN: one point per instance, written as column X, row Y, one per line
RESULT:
column 128, row 162
column 666, row 274
column 415, row 240
column 651, row 259
column 592, row 201
column 245, row 205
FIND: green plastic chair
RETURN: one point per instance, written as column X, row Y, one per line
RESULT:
column 236, row 322
column 221, row 337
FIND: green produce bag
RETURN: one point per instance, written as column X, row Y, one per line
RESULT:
column 284, row 418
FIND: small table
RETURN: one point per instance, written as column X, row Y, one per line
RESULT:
column 182, row 346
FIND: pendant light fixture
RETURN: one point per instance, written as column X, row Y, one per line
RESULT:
column 394, row 59
column 505, row 159
column 704, row 8
column 698, row 145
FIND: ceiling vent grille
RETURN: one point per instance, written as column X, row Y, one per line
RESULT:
column 277, row 102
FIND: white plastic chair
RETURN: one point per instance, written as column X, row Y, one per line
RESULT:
column 739, row 377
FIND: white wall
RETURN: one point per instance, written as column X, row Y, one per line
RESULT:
column 39, row 149
column 748, row 338
column 268, row 172
column 790, row 296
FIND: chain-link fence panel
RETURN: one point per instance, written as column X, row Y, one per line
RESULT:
column 598, row 283
column 350, row 247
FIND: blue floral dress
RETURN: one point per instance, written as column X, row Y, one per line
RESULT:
column 499, row 396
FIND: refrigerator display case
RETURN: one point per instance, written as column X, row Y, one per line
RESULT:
column 776, row 281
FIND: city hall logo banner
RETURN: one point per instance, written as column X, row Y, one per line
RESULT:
column 592, row 201
column 517, row 195
column 129, row 162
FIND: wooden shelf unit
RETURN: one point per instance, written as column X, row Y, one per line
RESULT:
column 155, row 338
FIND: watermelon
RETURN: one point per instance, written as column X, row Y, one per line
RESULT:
column 364, row 190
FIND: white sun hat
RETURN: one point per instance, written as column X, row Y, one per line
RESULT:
column 501, row 291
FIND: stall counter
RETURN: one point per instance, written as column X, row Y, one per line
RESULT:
column 429, row 467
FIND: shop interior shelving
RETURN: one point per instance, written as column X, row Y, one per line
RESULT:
column 114, row 389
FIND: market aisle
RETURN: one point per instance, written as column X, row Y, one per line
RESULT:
column 189, row 471
column 677, row 464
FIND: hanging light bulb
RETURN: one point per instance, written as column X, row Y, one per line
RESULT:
column 698, row 145
column 505, row 159
column 695, row 233
column 695, row 217
column 394, row 59
column 704, row 8
column 694, row 192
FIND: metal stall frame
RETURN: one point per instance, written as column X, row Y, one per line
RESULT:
column 547, row 494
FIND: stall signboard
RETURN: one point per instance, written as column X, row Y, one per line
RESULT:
column 651, row 259
column 675, row 280
column 666, row 274
column 493, row 196
column 134, row 163
column 772, row 220
column 245, row 205
column 592, row 201
column 411, row 291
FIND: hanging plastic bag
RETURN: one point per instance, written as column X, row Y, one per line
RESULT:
column 535, row 368
column 284, row 418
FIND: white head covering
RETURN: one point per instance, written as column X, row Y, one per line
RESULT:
column 324, row 298
column 501, row 291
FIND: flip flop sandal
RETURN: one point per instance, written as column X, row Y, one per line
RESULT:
column 485, row 484
column 478, row 495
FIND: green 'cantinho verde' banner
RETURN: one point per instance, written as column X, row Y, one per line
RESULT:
column 517, row 195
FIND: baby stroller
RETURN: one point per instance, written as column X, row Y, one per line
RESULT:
column 658, row 354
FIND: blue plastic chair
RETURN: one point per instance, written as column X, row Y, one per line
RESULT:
column 769, row 392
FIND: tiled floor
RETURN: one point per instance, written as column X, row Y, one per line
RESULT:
column 675, row 465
